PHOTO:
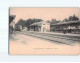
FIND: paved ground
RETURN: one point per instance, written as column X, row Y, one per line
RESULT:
column 69, row 39
column 39, row 43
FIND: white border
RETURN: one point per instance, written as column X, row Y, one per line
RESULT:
column 4, row 13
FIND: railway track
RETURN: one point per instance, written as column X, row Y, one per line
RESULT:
column 63, row 39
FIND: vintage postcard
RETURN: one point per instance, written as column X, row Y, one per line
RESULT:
column 44, row 31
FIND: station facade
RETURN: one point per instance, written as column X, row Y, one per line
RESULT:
column 67, row 27
column 40, row 26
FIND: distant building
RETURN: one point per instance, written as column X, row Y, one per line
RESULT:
column 69, row 27
column 24, row 29
column 40, row 26
column 11, row 20
column 11, row 23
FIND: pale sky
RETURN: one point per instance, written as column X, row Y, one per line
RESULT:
column 43, row 13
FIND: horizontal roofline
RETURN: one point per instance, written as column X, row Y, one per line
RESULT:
column 69, row 22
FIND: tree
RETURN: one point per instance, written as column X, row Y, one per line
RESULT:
column 53, row 21
column 48, row 21
column 58, row 21
column 21, row 22
column 31, row 21
column 65, row 20
column 73, row 18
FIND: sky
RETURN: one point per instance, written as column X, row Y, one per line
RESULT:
column 43, row 13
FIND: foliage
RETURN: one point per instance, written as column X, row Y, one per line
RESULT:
column 71, row 18
column 26, row 23
column 31, row 21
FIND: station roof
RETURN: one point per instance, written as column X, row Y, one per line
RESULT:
column 38, row 23
column 69, row 22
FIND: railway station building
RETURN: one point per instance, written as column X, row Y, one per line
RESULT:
column 68, row 27
column 40, row 26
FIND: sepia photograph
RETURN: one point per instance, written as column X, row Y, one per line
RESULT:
column 44, row 31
